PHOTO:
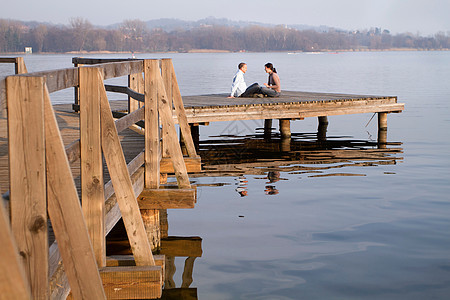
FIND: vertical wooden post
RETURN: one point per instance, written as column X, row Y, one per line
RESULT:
column 136, row 83
column 267, row 128
column 21, row 68
column 187, row 272
column 67, row 216
column 382, row 130
column 152, row 146
column 166, row 73
column 285, row 127
column 123, row 186
column 13, row 282
column 92, row 194
column 195, row 133
column 25, row 96
column 322, row 128
column 382, row 120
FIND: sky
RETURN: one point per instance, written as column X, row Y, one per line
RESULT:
column 425, row 17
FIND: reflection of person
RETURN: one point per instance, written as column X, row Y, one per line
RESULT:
column 273, row 87
column 271, row 190
column 273, row 176
column 239, row 87
column 242, row 186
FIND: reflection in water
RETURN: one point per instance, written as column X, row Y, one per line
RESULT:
column 311, row 154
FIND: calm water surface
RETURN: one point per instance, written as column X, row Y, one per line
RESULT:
column 343, row 220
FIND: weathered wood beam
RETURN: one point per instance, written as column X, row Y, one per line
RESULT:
column 27, row 177
column 167, row 198
column 137, row 282
column 92, row 195
column 193, row 165
column 182, row 246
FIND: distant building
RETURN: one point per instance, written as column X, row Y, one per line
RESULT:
column 28, row 50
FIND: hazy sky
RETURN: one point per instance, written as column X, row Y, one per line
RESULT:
column 422, row 16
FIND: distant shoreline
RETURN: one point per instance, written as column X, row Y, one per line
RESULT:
column 226, row 51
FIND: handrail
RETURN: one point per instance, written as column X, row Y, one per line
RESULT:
column 125, row 90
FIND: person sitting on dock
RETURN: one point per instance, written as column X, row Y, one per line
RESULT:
column 273, row 87
column 239, row 87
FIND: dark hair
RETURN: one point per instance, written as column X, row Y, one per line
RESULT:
column 270, row 66
column 241, row 65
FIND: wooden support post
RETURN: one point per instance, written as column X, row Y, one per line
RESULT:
column 21, row 68
column 170, row 133
column 13, row 280
column 285, row 144
column 169, row 283
column 25, row 97
column 285, row 127
column 267, row 128
column 322, row 128
column 67, row 217
column 150, row 217
column 382, row 121
column 136, row 83
column 171, row 85
column 195, row 132
column 152, row 146
column 92, row 195
column 382, row 130
column 123, row 186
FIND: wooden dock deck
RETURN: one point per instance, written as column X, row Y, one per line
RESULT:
column 290, row 105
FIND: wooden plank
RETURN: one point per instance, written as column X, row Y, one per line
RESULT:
column 193, row 165
column 11, row 60
column 13, row 282
column 166, row 73
column 182, row 246
column 123, row 186
column 140, row 282
column 118, row 69
column 167, row 198
column 180, row 112
column 152, row 147
column 136, row 83
column 67, row 217
column 27, row 177
column 130, row 119
column 92, row 196
column 173, row 146
column 57, row 80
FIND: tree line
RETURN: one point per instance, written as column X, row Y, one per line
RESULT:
column 134, row 36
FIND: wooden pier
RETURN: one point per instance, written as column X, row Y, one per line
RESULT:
column 93, row 163
column 52, row 165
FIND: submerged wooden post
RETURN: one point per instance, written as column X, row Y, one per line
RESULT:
column 382, row 130
column 322, row 128
column 25, row 96
column 92, row 194
column 267, row 128
column 285, row 127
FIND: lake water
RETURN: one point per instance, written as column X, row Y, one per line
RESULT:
column 346, row 220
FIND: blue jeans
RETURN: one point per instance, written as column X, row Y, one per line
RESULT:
column 251, row 90
column 269, row 92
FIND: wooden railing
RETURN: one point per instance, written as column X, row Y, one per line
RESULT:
column 41, row 178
